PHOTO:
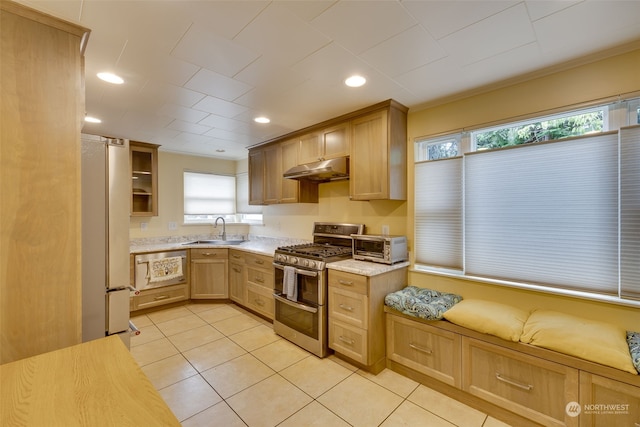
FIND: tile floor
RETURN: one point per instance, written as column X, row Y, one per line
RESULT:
column 219, row 365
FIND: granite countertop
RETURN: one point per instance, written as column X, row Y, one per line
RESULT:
column 365, row 268
column 261, row 246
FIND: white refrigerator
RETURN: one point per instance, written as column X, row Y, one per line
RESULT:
column 105, row 237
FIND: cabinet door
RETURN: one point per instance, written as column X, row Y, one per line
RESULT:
column 597, row 391
column 289, row 159
column 335, row 141
column 369, row 173
column 256, row 177
column 237, row 282
column 272, row 175
column 144, row 182
column 209, row 278
column 310, row 148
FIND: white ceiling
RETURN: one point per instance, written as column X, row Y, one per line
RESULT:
column 197, row 72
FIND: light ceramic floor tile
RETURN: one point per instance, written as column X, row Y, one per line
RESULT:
column 399, row 384
column 446, row 407
column 314, row 375
column 360, row 402
column 254, row 338
column 269, row 402
column 235, row 324
column 219, row 313
column 147, row 334
column 219, row 415
column 236, row 375
column 181, row 324
column 169, row 371
column 153, row 351
column 200, row 307
column 141, row 321
column 195, row 337
column 314, row 415
column 492, row 422
column 188, row 397
column 280, row 354
column 168, row 314
column 212, row 354
column 411, row 415
column 343, row 363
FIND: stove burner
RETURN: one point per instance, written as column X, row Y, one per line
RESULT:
column 316, row 250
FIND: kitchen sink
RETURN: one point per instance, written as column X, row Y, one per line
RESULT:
column 216, row 242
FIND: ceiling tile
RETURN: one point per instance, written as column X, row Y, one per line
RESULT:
column 168, row 93
column 539, row 9
column 499, row 33
column 188, row 127
column 280, row 35
column 390, row 56
column 217, row 85
column 444, row 17
column 225, row 18
column 182, row 113
column 220, row 107
column 216, row 53
column 376, row 22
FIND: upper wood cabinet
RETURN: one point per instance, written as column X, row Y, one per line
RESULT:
column 144, row 178
column 328, row 143
column 267, row 186
column 41, row 115
column 379, row 155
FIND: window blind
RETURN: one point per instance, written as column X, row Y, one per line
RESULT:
column 438, row 213
column 545, row 213
column 630, row 212
column 209, row 194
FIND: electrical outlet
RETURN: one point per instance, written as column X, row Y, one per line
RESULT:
column 173, row 225
column 385, row 230
column 143, row 226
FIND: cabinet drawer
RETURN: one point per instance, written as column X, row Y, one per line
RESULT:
column 207, row 253
column 426, row 349
column 348, row 281
column 533, row 387
column 236, row 256
column 624, row 399
column 260, row 261
column 260, row 300
column 160, row 296
column 260, row 277
column 348, row 340
column 348, row 307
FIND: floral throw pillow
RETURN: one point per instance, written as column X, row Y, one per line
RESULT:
column 633, row 338
column 424, row 303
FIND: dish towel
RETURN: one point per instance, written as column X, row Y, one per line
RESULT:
column 163, row 269
column 290, row 283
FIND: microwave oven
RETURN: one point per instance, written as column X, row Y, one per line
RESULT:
column 382, row 249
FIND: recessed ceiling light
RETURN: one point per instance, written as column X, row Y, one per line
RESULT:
column 261, row 120
column 90, row 119
column 355, row 81
column 111, row 78
column 220, row 150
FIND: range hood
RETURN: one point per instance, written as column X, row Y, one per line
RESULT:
column 323, row 171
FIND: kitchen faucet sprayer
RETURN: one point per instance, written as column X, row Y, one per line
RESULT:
column 224, row 227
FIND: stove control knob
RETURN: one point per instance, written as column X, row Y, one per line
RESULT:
column 293, row 260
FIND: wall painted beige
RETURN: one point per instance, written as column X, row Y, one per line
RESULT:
column 570, row 87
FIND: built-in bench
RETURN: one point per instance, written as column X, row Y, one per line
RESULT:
column 519, row 383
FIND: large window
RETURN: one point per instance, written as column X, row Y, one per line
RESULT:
column 207, row 196
column 558, row 215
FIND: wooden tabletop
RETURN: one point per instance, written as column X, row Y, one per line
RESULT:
column 97, row 383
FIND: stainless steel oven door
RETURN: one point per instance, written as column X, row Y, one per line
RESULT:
column 311, row 291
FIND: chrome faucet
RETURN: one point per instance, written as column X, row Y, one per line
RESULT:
column 224, row 227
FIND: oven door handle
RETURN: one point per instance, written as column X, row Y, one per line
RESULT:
column 295, row 304
column 298, row 271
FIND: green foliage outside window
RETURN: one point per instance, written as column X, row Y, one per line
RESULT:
column 547, row 130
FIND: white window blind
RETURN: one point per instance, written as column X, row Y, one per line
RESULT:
column 438, row 213
column 545, row 213
column 209, row 194
column 630, row 212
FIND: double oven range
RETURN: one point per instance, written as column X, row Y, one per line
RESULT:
column 300, row 290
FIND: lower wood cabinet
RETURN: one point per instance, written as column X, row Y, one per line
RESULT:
column 237, row 277
column 605, row 402
column 209, row 273
column 159, row 296
column 426, row 349
column 535, row 388
column 259, row 284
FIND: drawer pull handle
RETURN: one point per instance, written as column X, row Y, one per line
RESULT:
column 237, row 270
column 346, row 307
column 527, row 387
column 259, row 261
column 160, row 297
column 345, row 282
column 419, row 348
column 208, row 254
column 259, row 302
column 259, row 280
column 346, row 340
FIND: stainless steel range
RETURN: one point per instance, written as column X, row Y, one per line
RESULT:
column 301, row 284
